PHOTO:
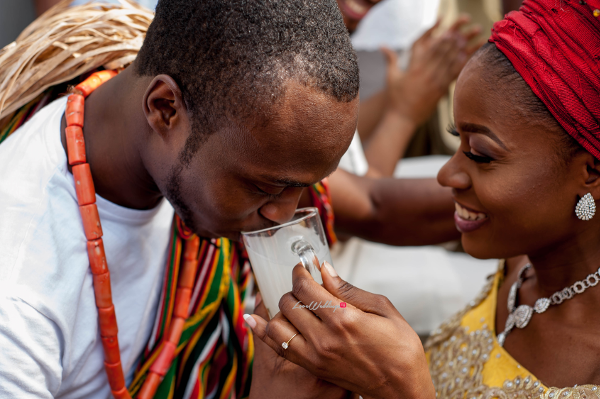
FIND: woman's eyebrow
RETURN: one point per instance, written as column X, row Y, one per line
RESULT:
column 479, row 129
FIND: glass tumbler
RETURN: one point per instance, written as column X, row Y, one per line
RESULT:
column 276, row 250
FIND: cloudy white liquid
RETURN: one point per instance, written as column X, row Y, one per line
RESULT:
column 272, row 260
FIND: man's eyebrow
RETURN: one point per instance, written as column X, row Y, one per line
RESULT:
column 475, row 128
column 287, row 182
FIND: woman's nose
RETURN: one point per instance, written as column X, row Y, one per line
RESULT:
column 282, row 209
column 453, row 175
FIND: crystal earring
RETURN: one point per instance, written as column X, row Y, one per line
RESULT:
column 586, row 207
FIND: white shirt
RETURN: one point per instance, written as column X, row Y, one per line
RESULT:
column 50, row 344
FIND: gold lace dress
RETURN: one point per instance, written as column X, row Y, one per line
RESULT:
column 465, row 360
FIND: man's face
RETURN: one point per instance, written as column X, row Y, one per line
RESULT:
column 354, row 11
column 244, row 179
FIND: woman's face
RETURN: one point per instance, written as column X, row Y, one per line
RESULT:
column 515, row 194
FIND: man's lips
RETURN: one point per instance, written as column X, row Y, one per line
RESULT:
column 468, row 220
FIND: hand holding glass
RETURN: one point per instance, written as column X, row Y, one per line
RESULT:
column 275, row 251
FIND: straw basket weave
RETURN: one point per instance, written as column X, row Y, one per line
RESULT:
column 66, row 42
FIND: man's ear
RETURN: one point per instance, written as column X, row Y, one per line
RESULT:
column 163, row 105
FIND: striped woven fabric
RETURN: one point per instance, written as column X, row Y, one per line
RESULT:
column 26, row 112
column 214, row 356
column 320, row 198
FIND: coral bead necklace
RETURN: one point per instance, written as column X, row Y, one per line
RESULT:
column 107, row 320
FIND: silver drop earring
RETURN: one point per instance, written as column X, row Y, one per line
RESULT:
column 586, row 207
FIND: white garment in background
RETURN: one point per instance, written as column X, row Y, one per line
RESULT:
column 354, row 160
column 50, row 344
column 395, row 24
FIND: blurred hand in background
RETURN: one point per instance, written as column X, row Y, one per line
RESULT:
column 435, row 63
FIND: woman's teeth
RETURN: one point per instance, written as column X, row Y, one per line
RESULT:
column 467, row 215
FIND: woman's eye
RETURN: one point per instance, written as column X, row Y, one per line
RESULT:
column 477, row 158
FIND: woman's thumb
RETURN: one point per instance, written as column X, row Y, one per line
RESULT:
column 363, row 300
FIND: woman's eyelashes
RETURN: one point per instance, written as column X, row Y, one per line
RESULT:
column 474, row 157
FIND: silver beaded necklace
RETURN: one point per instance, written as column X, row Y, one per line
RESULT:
column 520, row 316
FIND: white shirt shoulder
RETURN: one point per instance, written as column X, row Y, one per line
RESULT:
column 48, row 318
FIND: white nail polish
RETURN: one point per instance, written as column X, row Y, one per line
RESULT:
column 330, row 269
column 250, row 320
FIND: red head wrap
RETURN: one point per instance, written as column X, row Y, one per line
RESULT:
column 555, row 46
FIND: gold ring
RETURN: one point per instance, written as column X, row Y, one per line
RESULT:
column 286, row 344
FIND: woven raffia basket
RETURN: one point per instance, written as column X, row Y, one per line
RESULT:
column 67, row 42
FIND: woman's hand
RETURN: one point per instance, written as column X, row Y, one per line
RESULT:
column 274, row 377
column 365, row 347
column 391, row 118
column 435, row 62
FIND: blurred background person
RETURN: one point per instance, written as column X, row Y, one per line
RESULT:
column 412, row 73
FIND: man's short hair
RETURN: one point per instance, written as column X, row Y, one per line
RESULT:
column 231, row 58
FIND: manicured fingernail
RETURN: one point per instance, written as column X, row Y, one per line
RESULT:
column 330, row 269
column 250, row 320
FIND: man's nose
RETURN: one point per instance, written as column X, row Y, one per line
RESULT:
column 282, row 209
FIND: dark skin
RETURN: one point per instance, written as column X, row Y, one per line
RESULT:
column 275, row 377
column 511, row 5
column 531, row 210
column 392, row 211
column 367, row 348
column 528, row 193
column 244, row 177
column 136, row 127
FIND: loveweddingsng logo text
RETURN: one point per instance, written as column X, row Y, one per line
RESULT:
column 320, row 305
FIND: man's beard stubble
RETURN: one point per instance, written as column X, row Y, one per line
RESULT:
column 173, row 195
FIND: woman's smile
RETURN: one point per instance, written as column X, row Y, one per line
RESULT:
column 468, row 220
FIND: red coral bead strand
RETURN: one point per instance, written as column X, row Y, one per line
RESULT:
column 86, row 198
